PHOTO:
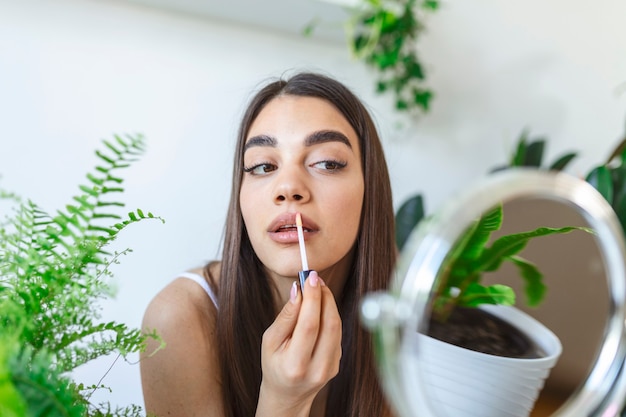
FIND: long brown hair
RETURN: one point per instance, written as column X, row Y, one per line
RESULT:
column 246, row 306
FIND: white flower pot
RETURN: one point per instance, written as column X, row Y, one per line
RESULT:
column 464, row 383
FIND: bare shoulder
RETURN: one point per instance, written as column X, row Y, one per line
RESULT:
column 182, row 301
column 181, row 378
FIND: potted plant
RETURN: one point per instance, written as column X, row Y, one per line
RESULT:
column 480, row 353
column 53, row 272
column 475, row 335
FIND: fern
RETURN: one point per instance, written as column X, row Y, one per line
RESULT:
column 54, row 270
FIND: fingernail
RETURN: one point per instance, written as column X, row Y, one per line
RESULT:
column 293, row 294
column 313, row 279
column 322, row 283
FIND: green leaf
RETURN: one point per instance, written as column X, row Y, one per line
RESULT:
column 109, row 203
column 94, row 179
column 618, row 176
column 388, row 20
column 359, row 44
column 115, row 179
column 381, row 87
column 510, row 245
column 386, row 60
column 519, row 156
column 106, row 216
column 431, row 5
column 75, row 212
column 600, row 179
column 63, row 219
column 112, row 147
column 11, row 402
column 414, row 69
column 619, row 206
column 402, row 104
column 92, row 191
column 106, row 190
column 107, row 230
column 45, row 391
column 105, row 158
column 562, row 162
column 410, row 213
column 480, row 234
column 534, row 153
column 534, row 287
column 422, row 99
column 82, row 200
column 476, row 294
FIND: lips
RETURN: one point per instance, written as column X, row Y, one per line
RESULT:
column 283, row 229
column 290, row 228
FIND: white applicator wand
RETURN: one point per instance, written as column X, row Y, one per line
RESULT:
column 305, row 265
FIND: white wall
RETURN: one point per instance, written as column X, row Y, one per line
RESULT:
column 73, row 72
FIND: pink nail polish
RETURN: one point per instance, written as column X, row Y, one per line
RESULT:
column 313, row 279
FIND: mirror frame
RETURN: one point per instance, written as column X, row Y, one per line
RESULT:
column 404, row 307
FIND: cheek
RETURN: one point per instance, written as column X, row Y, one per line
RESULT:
column 250, row 197
column 347, row 204
column 244, row 206
column 249, row 208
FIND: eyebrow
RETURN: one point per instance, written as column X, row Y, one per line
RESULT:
column 322, row 136
column 315, row 138
column 260, row 140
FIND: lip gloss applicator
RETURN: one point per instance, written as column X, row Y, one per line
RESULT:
column 305, row 265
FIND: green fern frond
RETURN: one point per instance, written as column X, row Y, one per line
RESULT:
column 45, row 391
column 54, row 270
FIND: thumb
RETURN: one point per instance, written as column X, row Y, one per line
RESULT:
column 284, row 324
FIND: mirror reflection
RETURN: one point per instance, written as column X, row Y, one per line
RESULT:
column 576, row 304
column 516, row 290
column 540, row 256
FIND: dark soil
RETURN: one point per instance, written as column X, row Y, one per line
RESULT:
column 478, row 330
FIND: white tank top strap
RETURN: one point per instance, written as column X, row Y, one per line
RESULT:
column 202, row 282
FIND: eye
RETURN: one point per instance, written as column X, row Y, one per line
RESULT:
column 260, row 169
column 330, row 165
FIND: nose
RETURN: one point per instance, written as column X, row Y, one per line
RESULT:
column 291, row 186
column 282, row 197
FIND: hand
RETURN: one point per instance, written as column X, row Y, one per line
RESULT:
column 300, row 351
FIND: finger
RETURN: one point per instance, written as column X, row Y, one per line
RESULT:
column 283, row 326
column 307, row 327
column 327, row 351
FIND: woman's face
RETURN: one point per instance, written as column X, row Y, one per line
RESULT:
column 301, row 155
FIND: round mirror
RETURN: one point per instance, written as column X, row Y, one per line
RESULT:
column 507, row 302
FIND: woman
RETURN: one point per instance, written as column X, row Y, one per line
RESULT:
column 264, row 346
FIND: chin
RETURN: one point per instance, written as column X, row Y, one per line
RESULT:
column 286, row 272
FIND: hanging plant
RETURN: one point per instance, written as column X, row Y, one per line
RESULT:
column 384, row 34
